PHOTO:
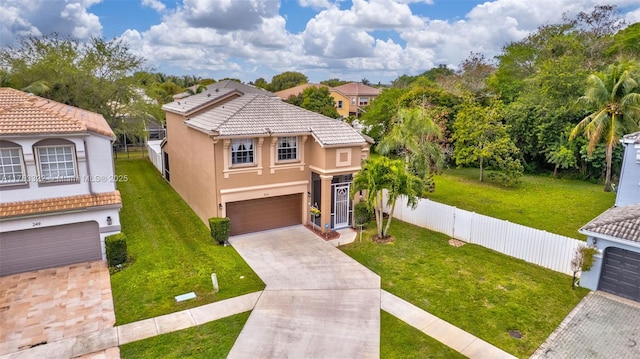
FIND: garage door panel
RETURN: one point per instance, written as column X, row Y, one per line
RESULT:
column 621, row 273
column 264, row 213
column 46, row 247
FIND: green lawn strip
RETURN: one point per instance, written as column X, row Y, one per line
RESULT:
column 211, row 340
column 479, row 290
column 400, row 340
column 555, row 205
column 173, row 252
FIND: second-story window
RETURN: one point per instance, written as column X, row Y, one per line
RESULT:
column 242, row 151
column 364, row 101
column 11, row 166
column 340, row 104
column 56, row 163
column 287, row 148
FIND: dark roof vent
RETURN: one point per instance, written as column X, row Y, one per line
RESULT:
column 217, row 90
column 208, row 95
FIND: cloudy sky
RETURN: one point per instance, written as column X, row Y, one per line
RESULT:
column 247, row 39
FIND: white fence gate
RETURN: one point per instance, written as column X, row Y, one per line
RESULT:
column 546, row 249
column 155, row 153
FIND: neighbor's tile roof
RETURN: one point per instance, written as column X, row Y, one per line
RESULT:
column 254, row 114
column 358, row 89
column 631, row 138
column 22, row 113
column 59, row 204
column 620, row 222
column 296, row 90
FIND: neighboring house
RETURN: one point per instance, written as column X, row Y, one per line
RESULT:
column 58, row 199
column 227, row 84
column 616, row 233
column 341, row 100
column 358, row 95
column 260, row 161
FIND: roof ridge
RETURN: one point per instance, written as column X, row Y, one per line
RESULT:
column 251, row 97
column 65, row 114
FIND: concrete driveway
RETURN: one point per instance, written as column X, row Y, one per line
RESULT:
column 601, row 326
column 318, row 302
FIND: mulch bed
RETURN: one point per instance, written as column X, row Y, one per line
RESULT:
column 456, row 243
column 326, row 236
column 385, row 240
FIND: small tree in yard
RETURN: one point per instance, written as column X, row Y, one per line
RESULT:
column 582, row 261
column 379, row 174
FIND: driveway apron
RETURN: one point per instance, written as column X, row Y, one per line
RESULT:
column 318, row 302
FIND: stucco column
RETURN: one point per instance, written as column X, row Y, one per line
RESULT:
column 325, row 210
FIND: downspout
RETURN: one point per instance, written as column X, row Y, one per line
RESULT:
column 214, row 141
column 86, row 160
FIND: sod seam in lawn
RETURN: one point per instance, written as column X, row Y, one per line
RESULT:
column 476, row 289
column 172, row 249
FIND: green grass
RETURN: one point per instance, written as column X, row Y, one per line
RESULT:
column 173, row 252
column 481, row 291
column 555, row 205
column 400, row 340
column 210, row 340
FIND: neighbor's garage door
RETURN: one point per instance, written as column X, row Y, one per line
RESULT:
column 32, row 249
column 264, row 213
column 621, row 273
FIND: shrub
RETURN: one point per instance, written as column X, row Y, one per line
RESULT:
column 361, row 213
column 219, row 229
column 116, row 246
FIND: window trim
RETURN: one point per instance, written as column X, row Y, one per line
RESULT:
column 340, row 104
column 253, row 153
column 278, row 148
column 362, row 103
column 41, row 178
column 22, row 167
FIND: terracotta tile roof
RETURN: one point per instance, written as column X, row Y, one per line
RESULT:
column 254, row 114
column 358, row 89
column 58, row 204
column 22, row 113
column 295, row 91
column 621, row 222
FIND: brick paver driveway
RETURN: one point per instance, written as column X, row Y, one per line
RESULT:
column 53, row 304
column 601, row 326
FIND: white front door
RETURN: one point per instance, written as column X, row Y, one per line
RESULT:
column 341, row 205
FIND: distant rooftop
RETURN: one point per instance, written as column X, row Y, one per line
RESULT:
column 358, row 89
column 227, row 84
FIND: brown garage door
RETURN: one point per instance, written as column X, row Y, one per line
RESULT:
column 621, row 273
column 32, row 249
column 264, row 213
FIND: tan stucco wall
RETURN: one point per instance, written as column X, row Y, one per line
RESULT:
column 344, row 111
column 197, row 170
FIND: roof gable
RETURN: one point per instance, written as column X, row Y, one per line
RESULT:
column 621, row 222
column 22, row 113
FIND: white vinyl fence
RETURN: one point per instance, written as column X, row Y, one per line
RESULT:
column 546, row 249
column 155, row 153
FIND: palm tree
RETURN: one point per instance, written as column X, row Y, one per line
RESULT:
column 415, row 135
column 614, row 99
column 379, row 174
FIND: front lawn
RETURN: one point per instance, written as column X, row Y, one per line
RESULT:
column 211, row 340
column 172, row 249
column 479, row 290
column 555, row 205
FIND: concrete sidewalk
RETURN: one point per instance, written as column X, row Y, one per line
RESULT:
column 444, row 332
column 111, row 338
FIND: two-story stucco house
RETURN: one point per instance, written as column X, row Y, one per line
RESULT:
column 359, row 96
column 58, row 199
column 616, row 232
column 260, row 161
column 342, row 101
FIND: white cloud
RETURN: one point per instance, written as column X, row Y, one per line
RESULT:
column 156, row 5
column 315, row 4
column 228, row 15
column 41, row 17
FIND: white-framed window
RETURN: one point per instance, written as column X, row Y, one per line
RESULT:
column 364, row 101
column 56, row 163
column 242, row 151
column 353, row 100
column 287, row 148
column 11, row 166
column 340, row 104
